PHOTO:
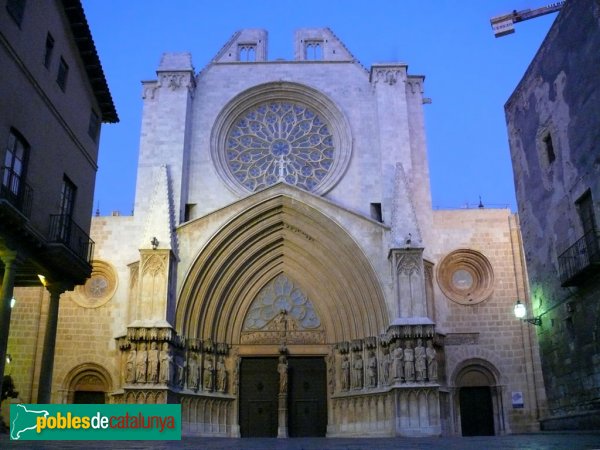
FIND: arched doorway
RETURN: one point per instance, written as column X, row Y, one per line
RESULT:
column 87, row 383
column 477, row 402
column 280, row 277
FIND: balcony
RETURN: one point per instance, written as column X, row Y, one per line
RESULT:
column 63, row 230
column 15, row 191
column 580, row 259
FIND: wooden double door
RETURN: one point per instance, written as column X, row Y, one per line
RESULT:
column 306, row 402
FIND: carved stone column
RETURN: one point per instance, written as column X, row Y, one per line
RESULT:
column 6, row 293
column 45, row 386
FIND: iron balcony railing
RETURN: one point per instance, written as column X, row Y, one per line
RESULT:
column 14, row 190
column 579, row 258
column 65, row 231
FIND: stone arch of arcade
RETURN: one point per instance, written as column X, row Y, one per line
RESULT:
column 281, row 235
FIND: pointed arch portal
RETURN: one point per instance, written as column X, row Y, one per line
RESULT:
column 281, row 235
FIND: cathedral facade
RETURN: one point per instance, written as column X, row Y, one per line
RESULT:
column 284, row 273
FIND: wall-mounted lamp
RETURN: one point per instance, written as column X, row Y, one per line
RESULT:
column 154, row 243
column 8, row 358
column 12, row 302
column 43, row 280
column 521, row 312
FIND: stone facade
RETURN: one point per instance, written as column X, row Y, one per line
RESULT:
column 283, row 221
column 552, row 119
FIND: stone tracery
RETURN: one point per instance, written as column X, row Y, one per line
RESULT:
column 279, row 141
column 281, row 295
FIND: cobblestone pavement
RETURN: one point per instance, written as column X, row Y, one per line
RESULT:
column 537, row 441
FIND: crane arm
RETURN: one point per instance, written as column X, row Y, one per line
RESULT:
column 504, row 24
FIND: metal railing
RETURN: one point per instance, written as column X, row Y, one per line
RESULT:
column 65, row 231
column 14, row 190
column 579, row 256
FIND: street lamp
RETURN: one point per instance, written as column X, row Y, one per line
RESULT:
column 521, row 311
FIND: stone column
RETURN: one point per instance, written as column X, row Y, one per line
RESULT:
column 6, row 294
column 45, row 386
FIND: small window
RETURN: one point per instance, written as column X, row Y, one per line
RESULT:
column 189, row 211
column 16, row 9
column 549, row 147
column 247, row 52
column 49, row 49
column 94, row 125
column 585, row 208
column 313, row 50
column 15, row 162
column 67, row 197
column 62, row 227
column 376, row 212
column 63, row 72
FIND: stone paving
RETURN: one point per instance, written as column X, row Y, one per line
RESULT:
column 537, row 441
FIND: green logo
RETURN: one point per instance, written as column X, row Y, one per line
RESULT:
column 95, row 422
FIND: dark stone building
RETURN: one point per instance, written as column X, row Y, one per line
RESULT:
column 54, row 98
column 553, row 121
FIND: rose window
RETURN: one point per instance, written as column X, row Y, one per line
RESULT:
column 279, row 141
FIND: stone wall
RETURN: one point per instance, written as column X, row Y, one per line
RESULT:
column 482, row 328
column 553, row 120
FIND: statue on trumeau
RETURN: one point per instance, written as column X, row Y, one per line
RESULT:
column 282, row 368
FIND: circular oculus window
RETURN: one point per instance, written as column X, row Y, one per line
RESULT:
column 99, row 288
column 466, row 277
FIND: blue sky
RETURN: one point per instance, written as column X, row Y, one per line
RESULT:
column 469, row 73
